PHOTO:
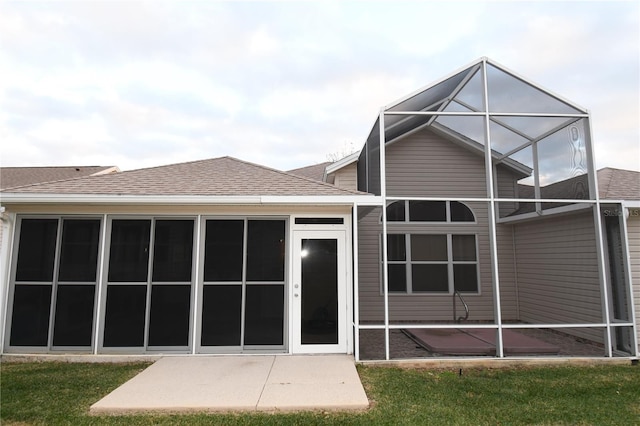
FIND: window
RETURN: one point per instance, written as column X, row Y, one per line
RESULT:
column 55, row 282
column 429, row 211
column 432, row 263
column 148, row 297
column 243, row 289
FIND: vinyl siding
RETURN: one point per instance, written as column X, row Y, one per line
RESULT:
column 435, row 308
column 633, row 232
column 557, row 272
column 347, row 177
column 427, row 165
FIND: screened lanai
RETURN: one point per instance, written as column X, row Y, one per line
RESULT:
column 493, row 240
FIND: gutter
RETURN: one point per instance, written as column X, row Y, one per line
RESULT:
column 21, row 198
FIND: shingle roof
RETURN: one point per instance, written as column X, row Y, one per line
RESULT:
column 315, row 172
column 11, row 177
column 225, row 176
column 617, row 184
column 613, row 184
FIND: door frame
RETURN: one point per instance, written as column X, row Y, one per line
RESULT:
column 342, row 236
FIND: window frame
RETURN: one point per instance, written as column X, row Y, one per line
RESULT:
column 149, row 285
column 244, row 284
column 408, row 262
column 54, row 283
column 407, row 215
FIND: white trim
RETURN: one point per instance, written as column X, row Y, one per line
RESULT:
column 333, row 167
column 385, row 260
column 493, row 326
column 557, row 211
column 8, row 224
column 100, row 282
column 493, row 238
column 355, row 288
column 24, row 198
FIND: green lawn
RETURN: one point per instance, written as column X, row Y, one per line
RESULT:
column 59, row 393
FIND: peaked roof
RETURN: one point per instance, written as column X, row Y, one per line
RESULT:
column 11, row 177
column 224, row 176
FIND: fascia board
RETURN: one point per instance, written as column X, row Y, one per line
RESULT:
column 20, row 198
column 331, row 199
column 352, row 158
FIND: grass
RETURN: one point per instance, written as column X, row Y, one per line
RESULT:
column 59, row 393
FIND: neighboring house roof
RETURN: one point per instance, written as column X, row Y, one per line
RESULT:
column 617, row 184
column 613, row 184
column 343, row 162
column 11, row 177
column 315, row 172
column 225, row 176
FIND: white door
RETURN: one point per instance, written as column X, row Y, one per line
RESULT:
column 319, row 308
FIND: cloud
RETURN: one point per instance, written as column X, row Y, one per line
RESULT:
column 284, row 84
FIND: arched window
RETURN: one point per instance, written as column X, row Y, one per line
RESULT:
column 429, row 211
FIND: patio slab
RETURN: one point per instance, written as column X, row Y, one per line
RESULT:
column 239, row 383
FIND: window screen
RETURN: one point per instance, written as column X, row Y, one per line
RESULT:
column 129, row 254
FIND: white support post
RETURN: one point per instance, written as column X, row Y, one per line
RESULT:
column 196, row 286
column 385, row 274
column 492, row 214
column 356, row 285
column 602, row 268
column 100, row 284
column 8, row 223
column 629, row 279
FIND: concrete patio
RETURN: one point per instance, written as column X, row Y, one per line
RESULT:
column 240, row 383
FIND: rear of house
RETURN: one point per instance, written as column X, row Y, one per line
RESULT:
column 472, row 223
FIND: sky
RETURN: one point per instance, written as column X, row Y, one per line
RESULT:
column 286, row 84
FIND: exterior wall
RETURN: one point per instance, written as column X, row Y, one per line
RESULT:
column 435, row 307
column 427, row 165
column 174, row 211
column 347, row 177
column 557, row 272
column 633, row 235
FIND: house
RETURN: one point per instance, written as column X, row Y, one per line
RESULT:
column 470, row 224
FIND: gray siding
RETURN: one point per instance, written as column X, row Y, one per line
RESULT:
column 557, row 272
column 431, row 307
column 347, row 177
column 427, row 165
column 633, row 233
